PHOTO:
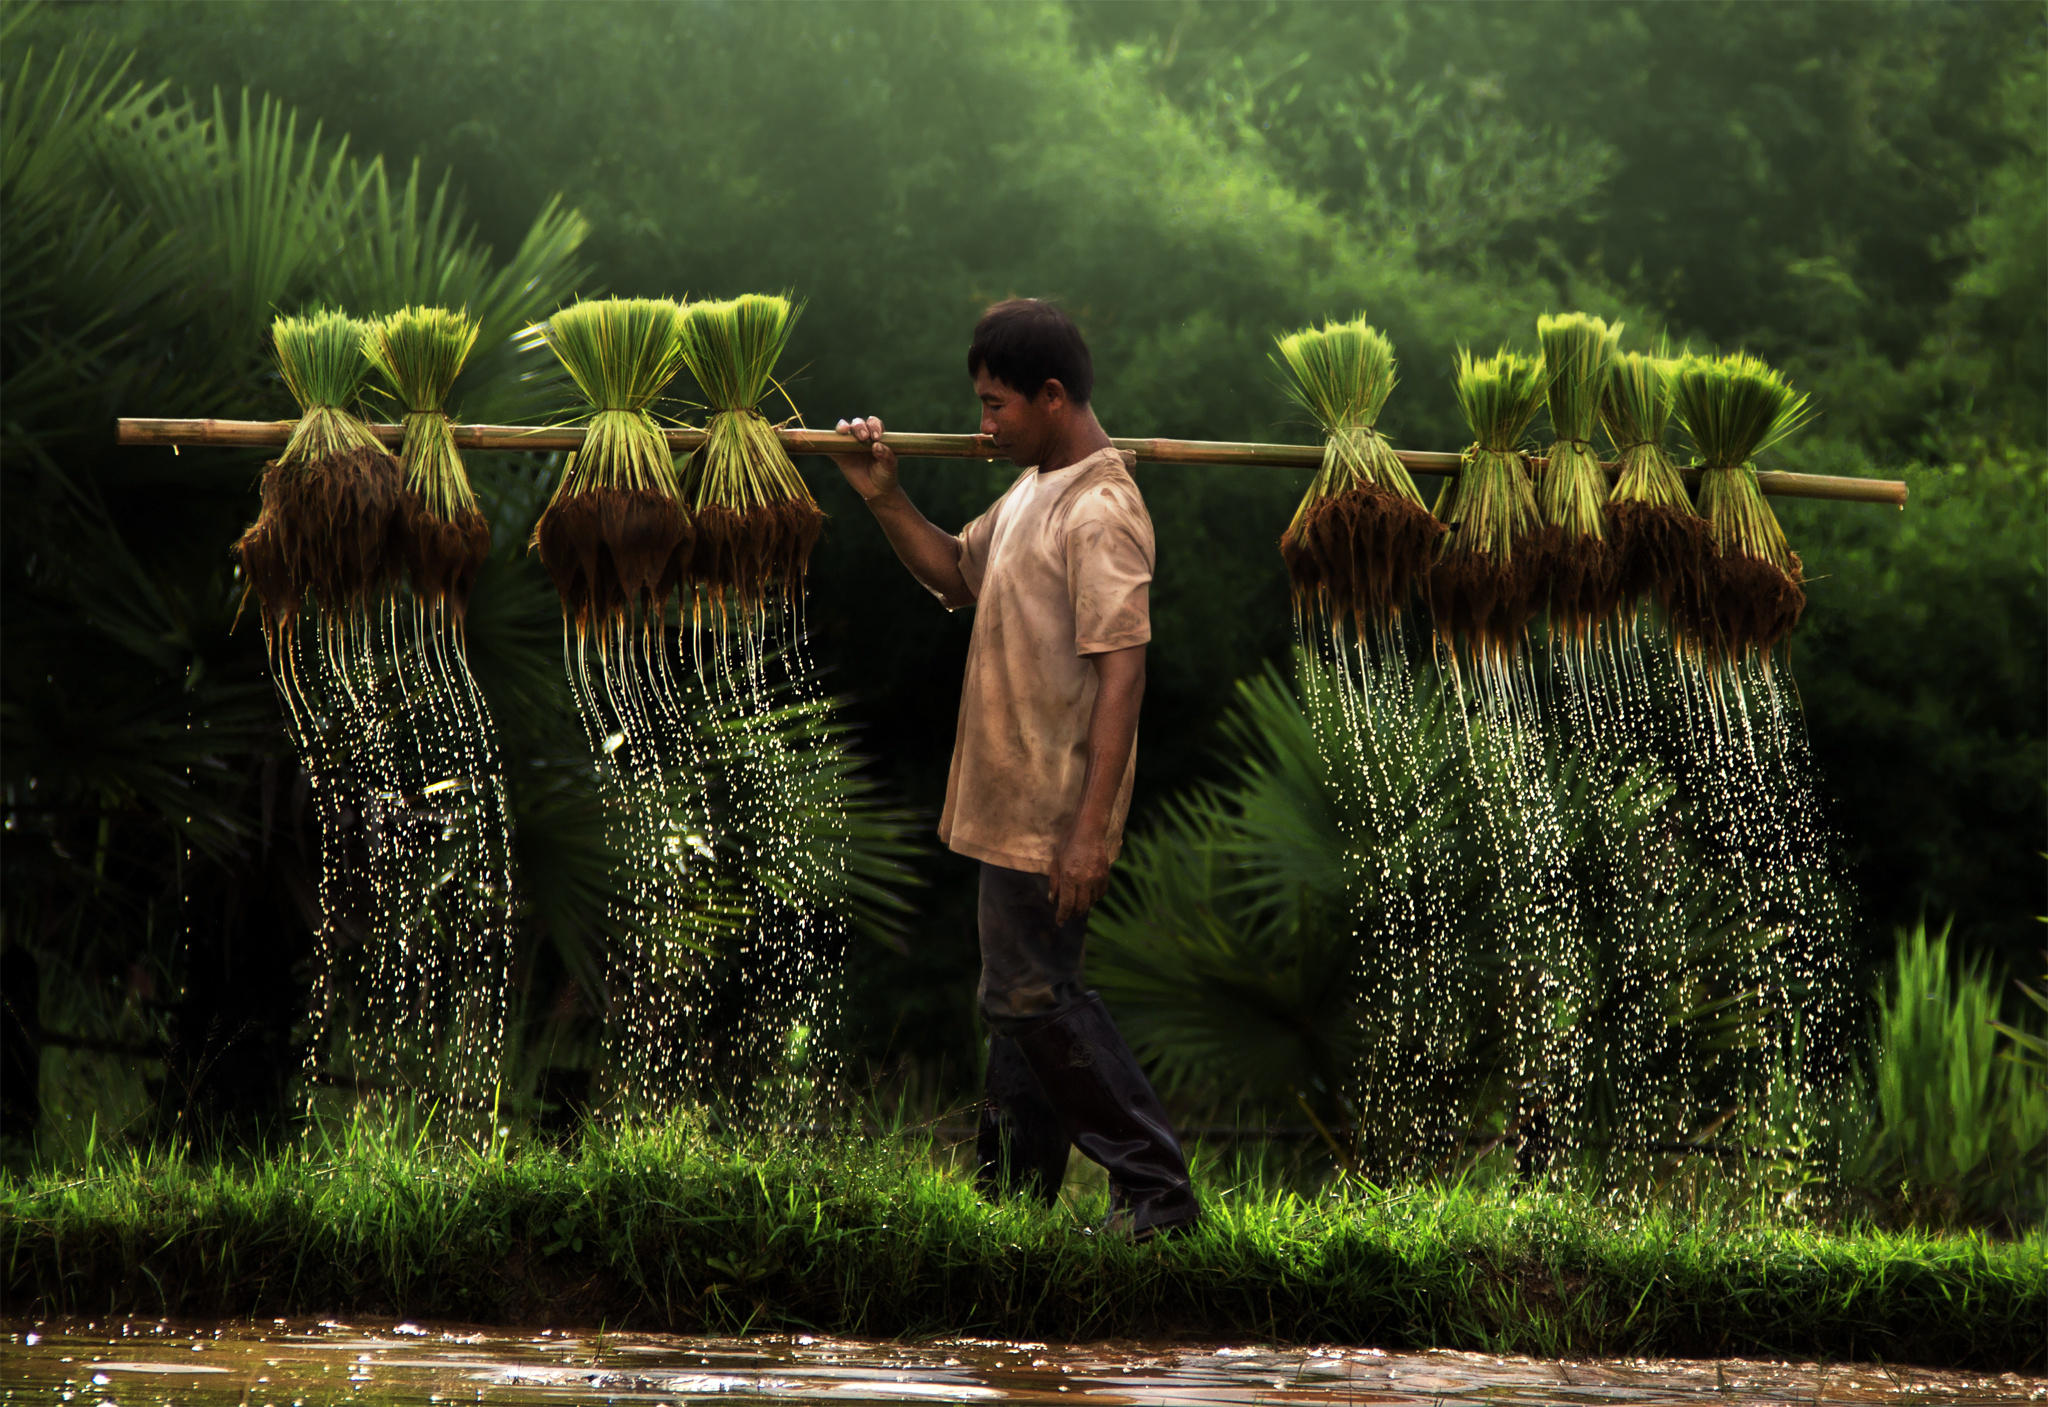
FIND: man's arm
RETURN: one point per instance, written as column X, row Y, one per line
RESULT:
column 931, row 553
column 1080, row 867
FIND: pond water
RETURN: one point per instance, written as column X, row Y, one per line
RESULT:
column 304, row 1363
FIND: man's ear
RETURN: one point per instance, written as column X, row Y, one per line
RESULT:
column 1052, row 395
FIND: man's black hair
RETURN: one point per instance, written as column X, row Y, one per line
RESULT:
column 1025, row 342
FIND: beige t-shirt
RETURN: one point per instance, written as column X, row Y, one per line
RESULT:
column 1060, row 567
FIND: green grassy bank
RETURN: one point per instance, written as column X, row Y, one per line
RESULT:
column 665, row 1232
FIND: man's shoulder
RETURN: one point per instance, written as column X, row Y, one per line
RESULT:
column 1106, row 490
column 1009, row 492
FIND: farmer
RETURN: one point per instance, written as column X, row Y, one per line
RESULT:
column 1058, row 570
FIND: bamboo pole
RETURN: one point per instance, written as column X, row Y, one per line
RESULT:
column 268, row 434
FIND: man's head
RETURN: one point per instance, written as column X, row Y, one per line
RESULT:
column 1032, row 373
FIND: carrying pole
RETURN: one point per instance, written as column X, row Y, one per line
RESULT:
column 271, row 434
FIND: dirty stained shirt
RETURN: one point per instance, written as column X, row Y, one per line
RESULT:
column 1060, row 568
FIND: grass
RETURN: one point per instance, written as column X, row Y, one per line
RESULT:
column 669, row 1230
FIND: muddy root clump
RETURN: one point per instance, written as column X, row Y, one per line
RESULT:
column 1750, row 606
column 1361, row 553
column 1579, row 578
column 336, row 523
column 757, row 556
column 611, row 550
column 1483, row 601
column 442, row 556
column 265, row 574
column 1660, row 554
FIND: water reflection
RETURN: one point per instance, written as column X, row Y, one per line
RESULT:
column 297, row 1363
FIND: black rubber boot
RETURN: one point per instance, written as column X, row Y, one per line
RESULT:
column 1115, row 1116
column 1022, row 1140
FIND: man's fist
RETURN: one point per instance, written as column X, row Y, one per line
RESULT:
column 871, row 469
column 1080, row 873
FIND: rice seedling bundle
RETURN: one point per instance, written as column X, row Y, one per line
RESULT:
column 1732, row 409
column 419, row 352
column 1362, row 537
column 1571, row 489
column 1659, row 543
column 330, row 499
column 756, row 520
column 1482, row 588
column 615, row 535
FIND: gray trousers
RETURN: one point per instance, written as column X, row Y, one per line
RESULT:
column 1059, row 1073
column 1030, row 962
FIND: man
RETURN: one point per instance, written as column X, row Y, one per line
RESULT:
column 1058, row 571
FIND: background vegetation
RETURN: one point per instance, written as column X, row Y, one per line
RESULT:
column 1859, row 193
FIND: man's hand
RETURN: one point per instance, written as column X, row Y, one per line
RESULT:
column 1080, row 871
column 871, row 469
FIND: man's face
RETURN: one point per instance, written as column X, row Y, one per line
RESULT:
column 1021, row 427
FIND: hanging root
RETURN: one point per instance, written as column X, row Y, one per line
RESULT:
column 608, row 550
column 442, row 556
column 757, row 556
column 335, row 521
column 1578, row 575
column 1746, row 606
column 1360, row 553
column 1483, row 601
column 1659, row 553
column 1755, row 602
column 265, row 572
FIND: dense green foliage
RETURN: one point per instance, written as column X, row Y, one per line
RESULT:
column 1857, row 194
column 161, row 857
column 1272, row 930
column 1258, row 961
column 666, row 1230
column 1954, row 1129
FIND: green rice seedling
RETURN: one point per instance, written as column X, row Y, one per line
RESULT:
column 1361, row 537
column 756, row 519
column 615, row 535
column 1733, row 408
column 1659, row 543
column 419, row 352
column 1571, row 489
column 330, row 499
column 1482, row 589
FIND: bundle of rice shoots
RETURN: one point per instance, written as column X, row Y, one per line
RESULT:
column 1659, row 543
column 1733, row 408
column 325, row 532
column 1571, row 489
column 756, row 519
column 615, row 536
column 419, row 352
column 1482, row 589
column 1362, row 537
